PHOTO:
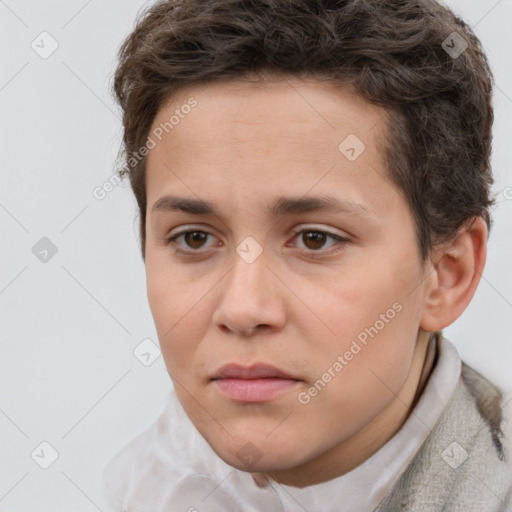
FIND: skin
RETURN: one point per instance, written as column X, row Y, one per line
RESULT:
column 242, row 146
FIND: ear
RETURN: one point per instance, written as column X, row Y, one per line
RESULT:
column 453, row 275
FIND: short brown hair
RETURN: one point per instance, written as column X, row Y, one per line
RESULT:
column 393, row 52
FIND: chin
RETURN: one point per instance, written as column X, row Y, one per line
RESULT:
column 259, row 454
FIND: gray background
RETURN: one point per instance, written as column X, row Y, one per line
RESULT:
column 69, row 325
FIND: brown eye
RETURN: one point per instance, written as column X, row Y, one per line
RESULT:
column 314, row 239
column 195, row 239
column 315, row 242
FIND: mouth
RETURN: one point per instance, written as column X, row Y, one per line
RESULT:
column 256, row 383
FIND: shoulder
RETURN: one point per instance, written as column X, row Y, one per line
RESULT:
column 128, row 467
column 164, row 467
column 491, row 404
column 465, row 463
column 130, row 475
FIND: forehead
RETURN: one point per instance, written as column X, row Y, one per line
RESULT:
column 297, row 134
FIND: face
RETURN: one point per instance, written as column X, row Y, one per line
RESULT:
column 285, row 252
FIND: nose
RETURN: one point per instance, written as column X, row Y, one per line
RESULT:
column 251, row 300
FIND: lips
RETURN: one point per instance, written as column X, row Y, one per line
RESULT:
column 256, row 371
column 256, row 383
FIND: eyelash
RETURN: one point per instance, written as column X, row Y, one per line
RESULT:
column 311, row 253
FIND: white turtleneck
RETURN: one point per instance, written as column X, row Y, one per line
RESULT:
column 170, row 467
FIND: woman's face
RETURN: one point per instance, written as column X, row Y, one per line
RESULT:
column 291, row 249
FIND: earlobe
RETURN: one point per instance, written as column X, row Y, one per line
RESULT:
column 456, row 268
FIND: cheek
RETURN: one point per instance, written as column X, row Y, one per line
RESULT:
column 361, row 377
column 375, row 286
column 345, row 306
column 162, row 301
column 174, row 308
column 171, row 294
column 369, row 316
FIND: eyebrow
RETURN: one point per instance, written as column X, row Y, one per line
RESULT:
column 280, row 207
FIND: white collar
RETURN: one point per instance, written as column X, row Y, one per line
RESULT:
column 171, row 467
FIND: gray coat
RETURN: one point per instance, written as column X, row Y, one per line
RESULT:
column 464, row 464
